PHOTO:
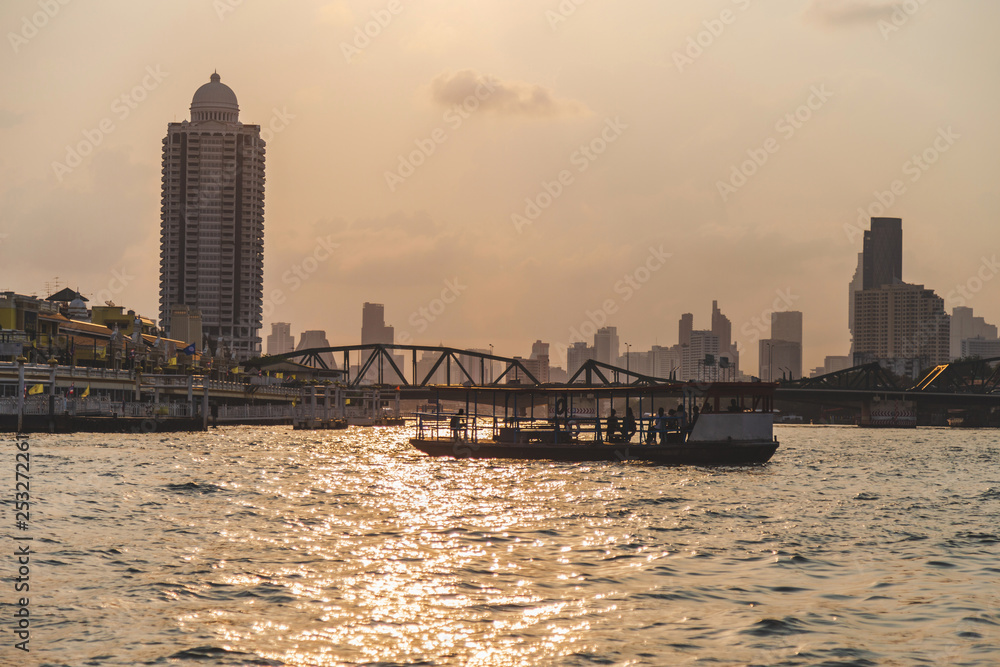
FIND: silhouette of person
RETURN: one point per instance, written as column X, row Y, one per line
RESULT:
column 612, row 426
column 628, row 425
column 457, row 422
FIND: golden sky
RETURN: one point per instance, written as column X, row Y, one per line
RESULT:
column 496, row 172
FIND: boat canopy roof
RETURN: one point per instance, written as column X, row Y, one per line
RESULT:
column 677, row 389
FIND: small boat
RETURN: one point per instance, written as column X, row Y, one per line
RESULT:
column 572, row 431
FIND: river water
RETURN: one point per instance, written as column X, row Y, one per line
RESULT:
column 267, row 546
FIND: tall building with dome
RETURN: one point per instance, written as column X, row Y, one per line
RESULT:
column 212, row 223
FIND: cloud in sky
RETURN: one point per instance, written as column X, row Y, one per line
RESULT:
column 848, row 12
column 508, row 98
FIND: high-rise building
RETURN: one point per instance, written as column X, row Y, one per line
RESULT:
column 901, row 321
column 281, row 340
column 835, row 363
column 856, row 285
column 781, row 354
column 684, row 329
column 577, row 355
column 883, row 253
column 373, row 326
column 693, row 357
column 787, row 326
column 606, row 345
column 722, row 329
column 539, row 349
column 780, row 359
column 665, row 361
column 212, row 221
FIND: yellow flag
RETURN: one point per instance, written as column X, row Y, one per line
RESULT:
column 36, row 389
column 279, row 375
column 173, row 361
column 86, row 392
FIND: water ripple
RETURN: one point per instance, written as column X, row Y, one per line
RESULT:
column 267, row 546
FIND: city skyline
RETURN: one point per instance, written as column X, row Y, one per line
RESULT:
column 565, row 162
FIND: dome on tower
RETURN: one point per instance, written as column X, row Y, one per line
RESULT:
column 215, row 101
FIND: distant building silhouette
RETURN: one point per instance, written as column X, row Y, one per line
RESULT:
column 722, row 329
column 980, row 347
column 965, row 327
column 684, row 329
column 373, row 326
column 780, row 359
column 787, row 326
column 832, row 364
column 281, row 340
column 903, row 325
column 606, row 345
column 856, row 285
column 577, row 355
column 693, row 366
column 313, row 339
column 212, row 222
column 781, row 354
column 883, row 253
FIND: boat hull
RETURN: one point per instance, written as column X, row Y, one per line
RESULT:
column 726, row 453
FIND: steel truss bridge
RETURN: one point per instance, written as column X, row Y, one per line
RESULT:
column 378, row 365
column 967, row 383
column 960, row 384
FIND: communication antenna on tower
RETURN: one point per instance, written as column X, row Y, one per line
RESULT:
column 52, row 286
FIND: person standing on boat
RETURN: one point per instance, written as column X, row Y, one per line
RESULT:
column 661, row 425
column 628, row 425
column 457, row 423
column 682, row 421
column 612, row 426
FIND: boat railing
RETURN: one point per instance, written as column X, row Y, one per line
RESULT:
column 548, row 430
column 437, row 425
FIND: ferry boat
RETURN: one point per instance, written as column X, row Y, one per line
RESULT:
column 730, row 424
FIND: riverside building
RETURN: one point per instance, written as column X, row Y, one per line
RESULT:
column 212, row 222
